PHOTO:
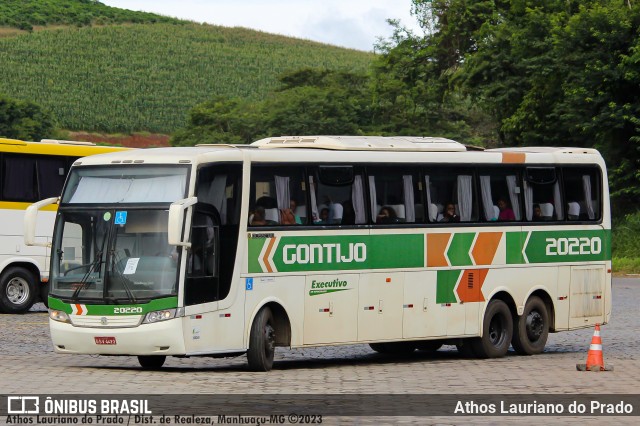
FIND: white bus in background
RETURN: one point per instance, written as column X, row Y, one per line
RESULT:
column 30, row 171
column 402, row 243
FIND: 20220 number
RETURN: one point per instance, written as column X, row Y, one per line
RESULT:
column 573, row 246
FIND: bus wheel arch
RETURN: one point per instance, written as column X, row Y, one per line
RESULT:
column 19, row 287
column 497, row 327
column 270, row 327
column 531, row 329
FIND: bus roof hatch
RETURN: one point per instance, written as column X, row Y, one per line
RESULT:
column 362, row 143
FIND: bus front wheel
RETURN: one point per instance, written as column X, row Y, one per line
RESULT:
column 262, row 341
column 17, row 290
column 532, row 328
column 151, row 362
column 497, row 330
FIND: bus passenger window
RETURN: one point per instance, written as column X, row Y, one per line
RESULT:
column 395, row 190
column 338, row 190
column 500, row 194
column 542, row 187
column 278, row 196
column 450, row 186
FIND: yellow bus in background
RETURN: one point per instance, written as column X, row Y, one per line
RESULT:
column 31, row 171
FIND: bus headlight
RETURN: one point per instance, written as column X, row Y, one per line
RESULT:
column 59, row 316
column 157, row 316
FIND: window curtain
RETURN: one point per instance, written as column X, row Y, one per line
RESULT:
column 357, row 196
column 465, row 197
column 282, row 192
column 557, row 201
column 140, row 190
column 409, row 199
column 218, row 196
column 487, row 200
column 314, row 205
column 528, row 200
column 427, row 185
column 512, row 185
column 373, row 196
column 588, row 201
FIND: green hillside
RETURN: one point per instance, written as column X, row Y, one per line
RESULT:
column 146, row 77
column 26, row 14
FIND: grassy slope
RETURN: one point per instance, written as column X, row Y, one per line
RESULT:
column 28, row 13
column 145, row 77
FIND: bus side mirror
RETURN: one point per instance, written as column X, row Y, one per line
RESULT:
column 30, row 220
column 176, row 221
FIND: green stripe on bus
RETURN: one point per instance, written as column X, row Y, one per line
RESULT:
column 338, row 252
column 447, row 280
column 458, row 252
column 515, row 242
column 357, row 252
column 568, row 246
column 153, row 305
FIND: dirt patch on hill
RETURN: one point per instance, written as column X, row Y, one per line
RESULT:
column 136, row 140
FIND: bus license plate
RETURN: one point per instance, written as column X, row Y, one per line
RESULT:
column 105, row 340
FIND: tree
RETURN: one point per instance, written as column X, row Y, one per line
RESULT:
column 24, row 120
column 320, row 102
column 309, row 101
column 220, row 121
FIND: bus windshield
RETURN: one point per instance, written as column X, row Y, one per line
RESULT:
column 113, row 256
column 125, row 184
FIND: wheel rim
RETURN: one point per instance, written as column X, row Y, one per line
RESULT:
column 496, row 330
column 18, row 291
column 535, row 326
column 270, row 339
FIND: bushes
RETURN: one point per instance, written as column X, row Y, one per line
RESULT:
column 625, row 244
column 24, row 120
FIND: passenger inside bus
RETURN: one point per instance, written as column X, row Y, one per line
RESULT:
column 506, row 212
column 450, row 214
column 257, row 218
column 387, row 215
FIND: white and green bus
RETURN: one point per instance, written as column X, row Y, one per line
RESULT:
column 402, row 243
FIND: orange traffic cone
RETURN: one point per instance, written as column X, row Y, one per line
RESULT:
column 595, row 360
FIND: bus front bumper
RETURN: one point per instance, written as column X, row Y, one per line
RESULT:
column 161, row 338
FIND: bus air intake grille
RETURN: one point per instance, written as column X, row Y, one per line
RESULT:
column 105, row 321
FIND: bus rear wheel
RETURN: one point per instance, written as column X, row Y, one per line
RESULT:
column 497, row 331
column 532, row 328
column 17, row 290
column 151, row 362
column 262, row 341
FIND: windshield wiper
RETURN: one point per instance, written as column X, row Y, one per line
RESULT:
column 114, row 260
column 83, row 282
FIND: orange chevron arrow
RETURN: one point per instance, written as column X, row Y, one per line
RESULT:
column 436, row 248
column 469, row 287
column 485, row 248
column 267, row 252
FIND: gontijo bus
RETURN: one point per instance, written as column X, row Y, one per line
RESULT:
column 29, row 172
column 403, row 243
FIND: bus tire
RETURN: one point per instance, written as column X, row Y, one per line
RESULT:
column 531, row 328
column 262, row 341
column 151, row 362
column 394, row 348
column 17, row 290
column 497, row 331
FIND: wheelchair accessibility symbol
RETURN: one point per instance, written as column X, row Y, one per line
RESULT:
column 121, row 218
